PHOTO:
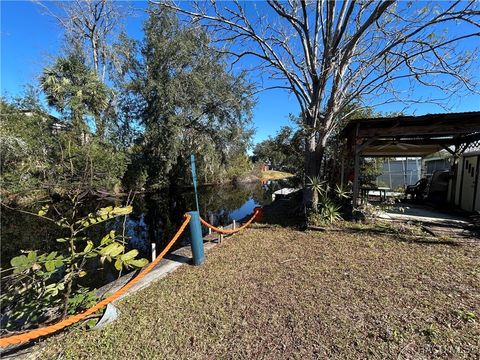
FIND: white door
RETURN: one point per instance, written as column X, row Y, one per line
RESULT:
column 469, row 176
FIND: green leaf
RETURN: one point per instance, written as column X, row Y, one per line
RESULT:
column 58, row 263
column 32, row 256
column 105, row 210
column 62, row 240
column 52, row 255
column 19, row 261
column 117, row 250
column 138, row 262
column 43, row 211
column 89, row 247
column 91, row 323
column 117, row 211
column 118, row 264
column 129, row 255
column 82, row 273
column 107, row 238
column 50, row 265
column 112, row 250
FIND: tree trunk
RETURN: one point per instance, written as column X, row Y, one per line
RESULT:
column 310, row 198
column 315, row 144
column 314, row 151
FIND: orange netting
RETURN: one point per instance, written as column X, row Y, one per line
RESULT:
column 34, row 334
column 256, row 213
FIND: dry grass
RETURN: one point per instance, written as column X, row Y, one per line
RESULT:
column 277, row 293
column 274, row 175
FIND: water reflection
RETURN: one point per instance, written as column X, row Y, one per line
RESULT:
column 155, row 218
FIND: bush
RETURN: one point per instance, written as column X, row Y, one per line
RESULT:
column 41, row 287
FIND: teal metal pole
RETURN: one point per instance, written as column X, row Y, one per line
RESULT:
column 196, row 238
column 194, row 177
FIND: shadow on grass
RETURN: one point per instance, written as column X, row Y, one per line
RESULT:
column 399, row 235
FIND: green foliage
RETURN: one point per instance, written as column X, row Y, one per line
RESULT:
column 370, row 170
column 329, row 211
column 284, row 151
column 83, row 298
column 74, row 90
column 341, row 192
column 178, row 87
column 318, row 186
column 41, row 287
column 93, row 165
column 25, row 145
column 40, row 152
column 330, row 201
column 239, row 165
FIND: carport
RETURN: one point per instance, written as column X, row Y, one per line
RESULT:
column 416, row 136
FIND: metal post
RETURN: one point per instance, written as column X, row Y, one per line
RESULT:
column 196, row 238
column 234, row 225
column 194, row 178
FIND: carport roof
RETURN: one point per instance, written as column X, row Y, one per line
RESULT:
column 412, row 135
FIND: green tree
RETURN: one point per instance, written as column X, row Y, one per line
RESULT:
column 284, row 151
column 75, row 91
column 41, row 154
column 26, row 145
column 184, row 97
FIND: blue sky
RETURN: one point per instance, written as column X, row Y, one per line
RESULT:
column 30, row 40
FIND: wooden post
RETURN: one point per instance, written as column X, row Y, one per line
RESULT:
column 234, row 225
column 356, row 173
column 154, row 251
column 356, row 168
column 342, row 173
column 209, row 231
column 454, row 172
column 389, row 174
column 220, row 238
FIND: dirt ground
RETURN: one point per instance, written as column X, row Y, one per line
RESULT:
column 275, row 292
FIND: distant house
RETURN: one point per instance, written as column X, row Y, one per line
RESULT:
column 55, row 124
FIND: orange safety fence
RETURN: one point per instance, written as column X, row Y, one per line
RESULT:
column 36, row 333
column 256, row 214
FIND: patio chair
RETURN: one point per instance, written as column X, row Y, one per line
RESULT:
column 417, row 191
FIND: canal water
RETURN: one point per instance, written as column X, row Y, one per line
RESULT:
column 155, row 218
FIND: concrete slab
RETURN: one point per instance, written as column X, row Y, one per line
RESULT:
column 421, row 213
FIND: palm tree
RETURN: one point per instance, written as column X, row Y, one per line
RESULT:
column 74, row 90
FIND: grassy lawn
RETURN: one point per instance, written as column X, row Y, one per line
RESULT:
column 274, row 293
column 275, row 175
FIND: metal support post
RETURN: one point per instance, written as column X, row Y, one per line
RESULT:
column 196, row 238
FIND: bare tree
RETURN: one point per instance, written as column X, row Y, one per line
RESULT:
column 92, row 25
column 331, row 53
column 89, row 24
